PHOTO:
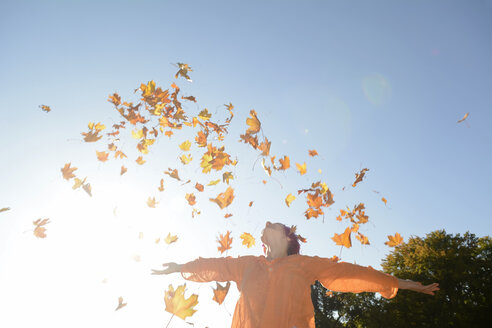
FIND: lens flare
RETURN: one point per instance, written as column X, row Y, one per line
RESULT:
column 376, row 89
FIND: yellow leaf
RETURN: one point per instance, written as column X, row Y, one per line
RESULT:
column 120, row 303
column 40, row 230
column 185, row 146
column 67, row 171
column 343, row 239
column 301, row 168
column 226, row 176
column 78, row 183
column 253, row 123
column 137, row 134
column 170, row 239
column 289, row 199
column 185, row 159
column 177, row 304
column 224, row 199
column 248, row 240
column 213, row 182
column 102, row 156
column 140, row 160
column 151, row 202
column 205, row 164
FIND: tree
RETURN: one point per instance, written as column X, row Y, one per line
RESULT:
column 461, row 264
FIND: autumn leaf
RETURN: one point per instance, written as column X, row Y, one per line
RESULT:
column 185, row 159
column 191, row 199
column 4, row 209
column 301, row 168
column 120, row 303
column 394, row 240
column 88, row 189
column 78, row 183
column 343, row 239
column 312, row 153
column 139, row 134
column 226, row 176
column 228, row 215
column 204, row 115
column 140, row 160
column 151, row 202
column 183, row 71
column 67, row 171
column 213, row 182
column 123, row 170
column 220, row 292
column 224, row 199
column 384, row 200
column 225, row 242
column 199, row 187
column 177, row 304
column 173, row 174
column 253, row 123
column 250, row 203
column 170, row 239
column 289, row 199
column 102, row 156
column 359, row 176
column 185, row 146
column 363, row 239
column 161, row 186
column 39, row 230
column 47, row 109
column 248, row 240
column 464, row 118
column 201, row 139
column 284, row 163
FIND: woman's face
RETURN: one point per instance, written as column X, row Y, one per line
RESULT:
column 274, row 235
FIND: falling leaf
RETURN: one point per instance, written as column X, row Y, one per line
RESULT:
column 177, row 304
column 464, row 118
column 343, row 239
column 120, row 303
column 199, row 187
column 384, row 200
column 78, row 183
column 102, row 156
column 267, row 169
column 183, row 71
column 88, row 189
column 161, row 186
column 289, row 199
column 224, row 199
column 123, row 170
column 204, row 115
column 319, row 171
column 140, row 160
column 67, row 171
column 185, row 159
column 220, row 292
column 225, row 242
column 139, row 134
column 284, row 163
column 185, row 146
column 173, row 174
column 312, row 153
column 191, row 199
column 170, row 239
column 250, row 203
column 359, row 176
column 4, row 209
column 151, row 202
column 394, row 240
column 228, row 215
column 213, row 182
column 301, row 168
column 195, row 212
column 47, row 109
column 248, row 240
column 363, row 239
column 40, row 230
column 253, row 123
column 226, row 176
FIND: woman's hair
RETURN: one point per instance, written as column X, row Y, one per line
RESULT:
column 293, row 246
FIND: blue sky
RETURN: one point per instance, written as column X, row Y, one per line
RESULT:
column 378, row 85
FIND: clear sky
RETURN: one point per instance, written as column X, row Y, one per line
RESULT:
column 368, row 84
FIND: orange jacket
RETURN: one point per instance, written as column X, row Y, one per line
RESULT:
column 277, row 294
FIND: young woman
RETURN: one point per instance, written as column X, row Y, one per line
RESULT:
column 275, row 290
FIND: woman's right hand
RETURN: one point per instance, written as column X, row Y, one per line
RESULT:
column 171, row 268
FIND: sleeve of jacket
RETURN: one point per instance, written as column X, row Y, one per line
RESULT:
column 216, row 269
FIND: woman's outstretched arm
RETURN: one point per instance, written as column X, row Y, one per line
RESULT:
column 417, row 286
column 210, row 269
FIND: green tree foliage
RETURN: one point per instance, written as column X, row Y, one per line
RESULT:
column 462, row 265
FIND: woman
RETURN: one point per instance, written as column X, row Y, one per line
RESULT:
column 275, row 290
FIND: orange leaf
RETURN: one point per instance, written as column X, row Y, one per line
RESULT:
column 199, row 187
column 228, row 215
column 140, row 160
column 123, row 170
column 384, row 200
column 191, row 199
column 285, row 163
column 120, row 303
column 225, row 242
column 363, row 239
column 394, row 240
column 67, row 171
column 220, row 292
column 343, row 239
column 224, row 199
column 47, row 109
column 161, row 186
column 40, row 230
column 250, row 203
column 359, row 176
column 102, row 156
column 312, row 153
column 253, row 123
column 173, row 174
